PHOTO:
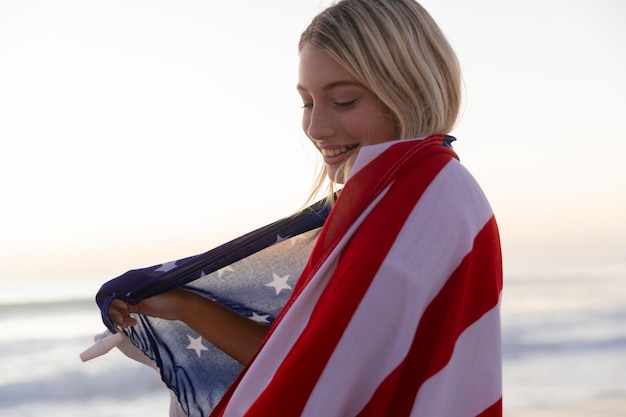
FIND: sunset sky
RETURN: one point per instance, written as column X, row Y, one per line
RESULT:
column 137, row 132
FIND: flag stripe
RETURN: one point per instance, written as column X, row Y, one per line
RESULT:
column 251, row 384
column 415, row 270
column 466, row 296
column 445, row 318
column 471, row 380
column 337, row 304
column 494, row 411
column 356, row 196
column 327, row 359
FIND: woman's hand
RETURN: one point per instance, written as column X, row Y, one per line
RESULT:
column 170, row 306
column 236, row 335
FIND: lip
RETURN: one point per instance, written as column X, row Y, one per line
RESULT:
column 334, row 155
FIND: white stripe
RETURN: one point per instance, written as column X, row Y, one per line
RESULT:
column 288, row 331
column 370, row 152
column 438, row 235
column 472, row 380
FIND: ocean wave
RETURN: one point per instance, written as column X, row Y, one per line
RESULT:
column 519, row 349
column 75, row 385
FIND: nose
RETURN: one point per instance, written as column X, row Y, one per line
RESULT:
column 317, row 123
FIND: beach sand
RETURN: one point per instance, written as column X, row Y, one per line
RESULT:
column 606, row 407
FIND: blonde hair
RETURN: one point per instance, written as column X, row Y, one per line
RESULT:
column 397, row 51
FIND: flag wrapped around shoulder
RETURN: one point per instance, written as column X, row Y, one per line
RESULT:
column 253, row 275
column 397, row 310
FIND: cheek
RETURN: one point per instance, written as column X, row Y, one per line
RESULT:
column 382, row 128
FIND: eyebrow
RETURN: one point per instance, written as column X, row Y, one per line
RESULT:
column 335, row 84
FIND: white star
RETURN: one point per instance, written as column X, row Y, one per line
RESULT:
column 196, row 344
column 260, row 318
column 228, row 268
column 166, row 267
column 279, row 283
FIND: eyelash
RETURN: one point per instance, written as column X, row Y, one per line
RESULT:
column 345, row 104
column 341, row 105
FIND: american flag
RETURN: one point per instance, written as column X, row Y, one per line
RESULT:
column 253, row 274
column 396, row 311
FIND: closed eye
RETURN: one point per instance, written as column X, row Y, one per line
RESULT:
column 345, row 104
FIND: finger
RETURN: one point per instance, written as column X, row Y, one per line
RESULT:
column 114, row 316
column 119, row 305
column 121, row 321
column 119, row 313
column 128, row 321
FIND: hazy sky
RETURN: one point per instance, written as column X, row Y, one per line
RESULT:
column 136, row 132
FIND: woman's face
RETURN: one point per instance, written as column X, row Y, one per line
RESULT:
column 339, row 114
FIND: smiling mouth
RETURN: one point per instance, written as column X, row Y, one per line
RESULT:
column 338, row 151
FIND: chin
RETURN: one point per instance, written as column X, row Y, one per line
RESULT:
column 340, row 173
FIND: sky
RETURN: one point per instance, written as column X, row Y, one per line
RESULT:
column 138, row 132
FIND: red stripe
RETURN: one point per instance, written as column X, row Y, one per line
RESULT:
column 471, row 291
column 358, row 194
column 494, row 411
column 361, row 190
column 342, row 295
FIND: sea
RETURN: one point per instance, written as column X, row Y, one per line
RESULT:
column 564, row 341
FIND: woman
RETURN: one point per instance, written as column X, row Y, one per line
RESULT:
column 397, row 310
